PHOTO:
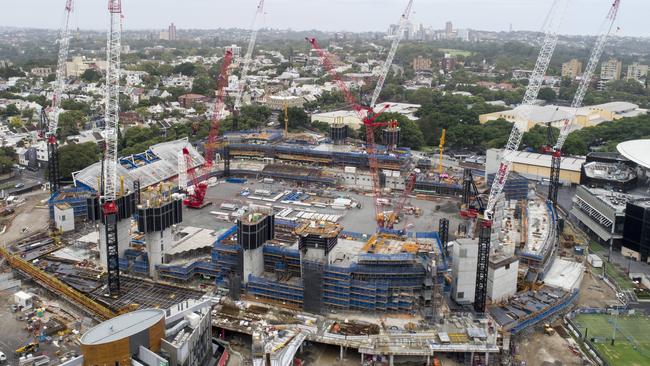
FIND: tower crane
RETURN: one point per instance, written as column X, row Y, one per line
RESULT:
column 108, row 190
column 196, row 199
column 553, row 21
column 247, row 60
column 551, row 26
column 391, row 54
column 366, row 115
column 578, row 98
column 50, row 119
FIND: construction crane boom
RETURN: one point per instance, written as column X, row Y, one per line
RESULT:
column 196, row 199
column 248, row 56
column 554, row 19
column 590, row 69
column 385, row 69
column 64, row 45
column 366, row 115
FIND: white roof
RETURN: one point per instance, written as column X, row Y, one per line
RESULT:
column 544, row 160
column 23, row 295
column 636, row 151
column 617, row 107
column 545, row 114
column 564, row 274
column 123, row 326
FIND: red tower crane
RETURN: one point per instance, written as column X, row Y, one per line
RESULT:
column 196, row 199
column 368, row 117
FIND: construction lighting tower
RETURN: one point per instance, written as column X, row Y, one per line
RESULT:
column 247, row 61
column 578, row 98
column 111, row 125
column 196, row 199
column 553, row 21
column 403, row 20
column 551, row 27
column 51, row 117
column 365, row 114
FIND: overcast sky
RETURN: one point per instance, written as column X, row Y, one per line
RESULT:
column 585, row 16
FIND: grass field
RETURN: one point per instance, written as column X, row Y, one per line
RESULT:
column 455, row 52
column 632, row 345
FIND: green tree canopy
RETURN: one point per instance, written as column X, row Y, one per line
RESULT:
column 547, row 94
column 69, row 123
column 91, row 75
column 75, row 157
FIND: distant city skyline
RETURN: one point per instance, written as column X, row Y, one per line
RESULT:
column 584, row 16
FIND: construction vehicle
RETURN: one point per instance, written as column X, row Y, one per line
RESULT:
column 548, row 330
column 196, row 196
column 28, row 348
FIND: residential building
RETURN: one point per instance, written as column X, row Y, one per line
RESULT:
column 422, row 64
column 79, row 64
column 610, row 70
column 188, row 100
column 236, row 50
column 41, row 71
column 571, row 69
column 171, row 31
column 278, row 102
column 448, row 63
column 637, row 72
column 449, row 29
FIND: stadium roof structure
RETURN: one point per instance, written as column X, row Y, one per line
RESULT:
column 637, row 151
column 158, row 164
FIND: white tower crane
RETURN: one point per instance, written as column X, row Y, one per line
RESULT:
column 249, row 55
column 391, row 54
column 51, row 118
column 596, row 53
column 111, row 121
column 554, row 19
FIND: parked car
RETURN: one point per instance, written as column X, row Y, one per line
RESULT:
column 3, row 357
column 19, row 185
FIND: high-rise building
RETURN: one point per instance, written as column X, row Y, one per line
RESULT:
column 421, row 64
column 637, row 72
column 171, row 30
column 571, row 69
column 636, row 230
column 611, row 70
column 449, row 28
column 448, row 63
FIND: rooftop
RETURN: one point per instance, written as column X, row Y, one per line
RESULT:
column 637, row 151
column 609, row 171
column 122, row 326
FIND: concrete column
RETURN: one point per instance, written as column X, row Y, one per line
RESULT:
column 361, row 358
column 428, row 360
column 487, row 358
column 341, row 354
column 471, row 355
column 391, row 361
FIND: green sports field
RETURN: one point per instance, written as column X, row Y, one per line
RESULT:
column 632, row 345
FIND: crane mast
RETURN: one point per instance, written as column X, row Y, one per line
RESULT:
column 51, row 119
column 248, row 56
column 391, row 54
column 554, row 20
column 578, row 98
column 111, row 125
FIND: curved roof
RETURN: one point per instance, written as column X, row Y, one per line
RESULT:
column 122, row 326
column 636, row 151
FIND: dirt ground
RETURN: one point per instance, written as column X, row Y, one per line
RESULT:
column 538, row 349
column 595, row 293
column 31, row 216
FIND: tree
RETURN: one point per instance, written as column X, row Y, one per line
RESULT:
column 73, row 105
column 298, row 118
column 186, row 68
column 547, row 94
column 69, row 123
column 15, row 123
column 91, row 75
column 75, row 157
column 203, row 85
column 7, row 159
column 11, row 110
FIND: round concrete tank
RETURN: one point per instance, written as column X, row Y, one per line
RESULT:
column 117, row 339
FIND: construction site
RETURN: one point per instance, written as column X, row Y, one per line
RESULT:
column 300, row 239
